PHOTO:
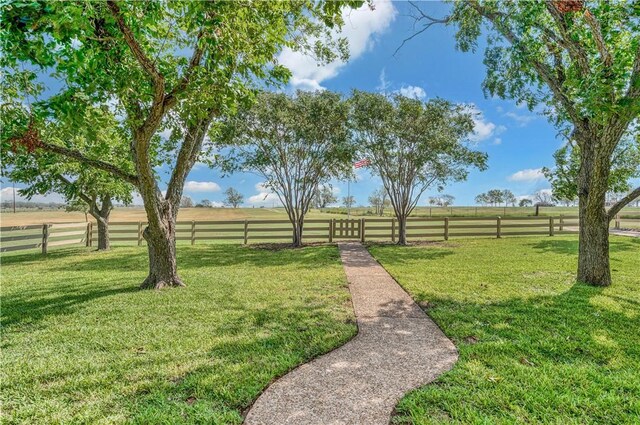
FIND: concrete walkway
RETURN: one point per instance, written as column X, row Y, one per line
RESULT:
column 398, row 348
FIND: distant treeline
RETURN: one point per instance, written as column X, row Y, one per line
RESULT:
column 25, row 205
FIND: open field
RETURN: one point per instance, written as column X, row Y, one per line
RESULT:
column 7, row 218
column 81, row 344
column 535, row 347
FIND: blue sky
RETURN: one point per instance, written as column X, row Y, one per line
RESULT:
column 518, row 142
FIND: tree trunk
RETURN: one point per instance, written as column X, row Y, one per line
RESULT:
column 103, row 233
column 402, row 230
column 297, row 232
column 101, row 214
column 161, row 243
column 593, row 251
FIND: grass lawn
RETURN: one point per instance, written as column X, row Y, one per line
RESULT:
column 534, row 346
column 81, row 344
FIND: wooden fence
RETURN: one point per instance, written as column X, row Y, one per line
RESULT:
column 45, row 236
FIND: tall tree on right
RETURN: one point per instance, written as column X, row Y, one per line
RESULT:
column 581, row 59
column 413, row 145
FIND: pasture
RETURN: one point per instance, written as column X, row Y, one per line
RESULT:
column 135, row 214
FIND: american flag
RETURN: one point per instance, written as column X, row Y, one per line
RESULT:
column 361, row 163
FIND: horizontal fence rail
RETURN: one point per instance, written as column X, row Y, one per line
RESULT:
column 45, row 236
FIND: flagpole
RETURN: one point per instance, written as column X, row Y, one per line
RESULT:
column 349, row 198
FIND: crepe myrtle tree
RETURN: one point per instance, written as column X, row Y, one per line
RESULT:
column 581, row 60
column 165, row 65
column 84, row 188
column 413, row 145
column 295, row 143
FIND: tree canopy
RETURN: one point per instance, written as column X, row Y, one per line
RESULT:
column 173, row 66
column 412, row 145
column 296, row 143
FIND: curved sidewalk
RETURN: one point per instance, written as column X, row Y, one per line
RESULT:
column 397, row 349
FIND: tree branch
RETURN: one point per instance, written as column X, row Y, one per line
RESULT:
column 80, row 157
column 615, row 209
column 423, row 16
column 145, row 62
column 82, row 195
column 171, row 98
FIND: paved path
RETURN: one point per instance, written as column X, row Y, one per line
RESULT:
column 398, row 348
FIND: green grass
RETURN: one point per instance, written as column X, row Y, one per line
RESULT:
column 81, row 344
column 535, row 347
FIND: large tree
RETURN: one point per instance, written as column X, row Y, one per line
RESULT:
column 166, row 65
column 296, row 143
column 413, row 145
column 582, row 60
column 86, row 188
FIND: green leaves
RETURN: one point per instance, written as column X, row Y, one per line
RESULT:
column 413, row 144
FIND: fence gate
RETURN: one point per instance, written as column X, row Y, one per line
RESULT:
column 347, row 228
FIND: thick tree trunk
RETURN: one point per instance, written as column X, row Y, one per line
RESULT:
column 593, row 251
column 101, row 214
column 161, row 243
column 103, row 234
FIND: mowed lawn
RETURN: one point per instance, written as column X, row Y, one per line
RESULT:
column 535, row 347
column 81, row 344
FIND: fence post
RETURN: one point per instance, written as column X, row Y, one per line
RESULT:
column 499, row 227
column 332, row 226
column 139, row 233
column 551, row 226
column 362, row 230
column 446, row 228
column 393, row 230
column 561, row 223
column 88, row 236
column 45, row 237
column 193, row 232
column 617, row 222
column 246, row 232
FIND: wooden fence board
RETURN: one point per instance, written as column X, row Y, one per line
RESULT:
column 21, row 237
column 316, row 229
column 20, row 247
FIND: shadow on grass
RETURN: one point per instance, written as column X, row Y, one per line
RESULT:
column 206, row 256
column 130, row 265
column 570, row 247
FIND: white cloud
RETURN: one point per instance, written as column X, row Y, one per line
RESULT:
column 497, row 141
column 6, row 195
column 528, row 175
column 265, row 196
column 194, row 186
column 483, row 129
column 522, row 120
column 384, row 83
column 413, row 92
column 361, row 27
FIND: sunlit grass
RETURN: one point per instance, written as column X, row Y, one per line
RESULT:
column 535, row 347
column 81, row 344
